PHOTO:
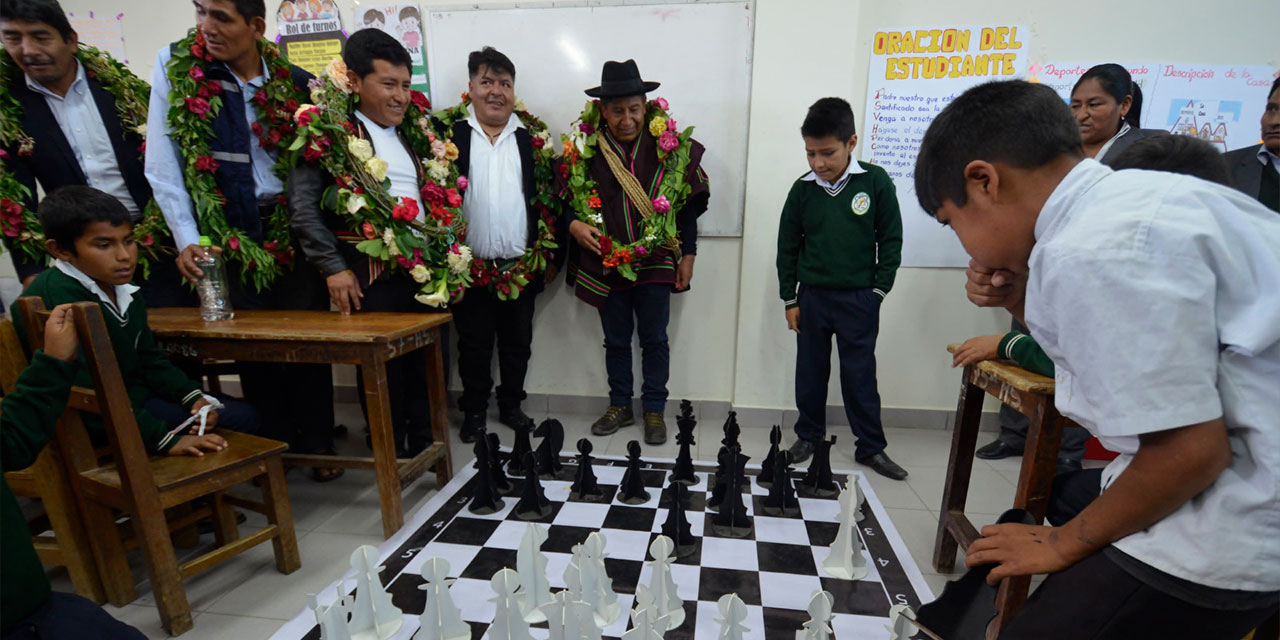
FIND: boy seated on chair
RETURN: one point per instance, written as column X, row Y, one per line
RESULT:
column 1156, row 296
column 90, row 235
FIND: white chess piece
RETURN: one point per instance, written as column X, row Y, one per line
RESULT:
column 646, row 622
column 373, row 616
column 732, row 612
column 333, row 618
column 440, row 619
column 844, row 560
column 508, row 622
column 531, row 565
column 900, row 622
column 661, row 583
column 569, row 619
column 818, row 627
column 862, row 499
column 595, row 586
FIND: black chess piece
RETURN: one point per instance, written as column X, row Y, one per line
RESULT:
column 501, row 482
column 682, row 472
column 585, row 487
column 533, row 503
column 720, row 480
column 765, row 477
column 781, row 500
column 676, row 526
column 731, row 430
column 484, row 494
column 818, row 481
column 632, row 490
column 732, row 520
column 548, row 454
column 519, row 447
column 686, row 408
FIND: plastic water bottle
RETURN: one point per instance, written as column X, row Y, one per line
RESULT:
column 215, row 300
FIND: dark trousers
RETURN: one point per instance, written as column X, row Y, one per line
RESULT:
column 67, row 616
column 1071, row 493
column 1098, row 600
column 407, row 374
column 1013, row 425
column 645, row 310
column 853, row 317
column 235, row 415
column 295, row 400
column 482, row 319
column 165, row 286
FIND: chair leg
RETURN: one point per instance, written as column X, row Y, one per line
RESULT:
column 964, row 440
column 225, row 529
column 69, row 530
column 276, row 497
column 109, row 554
column 166, row 578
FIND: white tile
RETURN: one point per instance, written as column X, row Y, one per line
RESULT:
column 989, row 492
column 781, row 530
column 729, row 553
column 627, row 545
column 214, row 626
column 788, row 590
column 582, row 514
column 918, row 529
column 457, row 555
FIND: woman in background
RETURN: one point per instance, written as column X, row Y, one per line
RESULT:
column 1107, row 106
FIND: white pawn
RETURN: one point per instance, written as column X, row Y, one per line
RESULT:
column 373, row 617
column 508, row 622
column 900, row 626
column 662, row 585
column 844, row 559
column 646, row 623
column 818, row 627
column 531, row 565
column 862, row 499
column 333, row 618
column 569, row 619
column 440, row 619
column 594, row 585
column 732, row 613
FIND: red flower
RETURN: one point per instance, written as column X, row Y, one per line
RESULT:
column 274, row 136
column 369, row 232
column 432, row 193
column 455, row 200
column 197, row 51
column 233, row 243
column 624, row 255
column 349, row 127
column 407, row 210
column 420, row 100
column 312, row 152
column 404, row 262
column 257, row 129
column 291, row 105
column 282, row 72
column 308, row 116
column 260, row 98
column 215, row 88
column 196, row 73
column 206, row 163
column 606, row 245
column 203, row 91
column 142, row 148
column 4, row 155
column 537, row 142
column 586, row 128
column 148, row 240
column 594, row 202
column 198, row 106
column 269, row 245
column 564, row 171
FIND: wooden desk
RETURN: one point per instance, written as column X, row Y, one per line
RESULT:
column 364, row 339
column 1032, row 395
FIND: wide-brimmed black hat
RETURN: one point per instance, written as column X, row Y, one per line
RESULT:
column 619, row 79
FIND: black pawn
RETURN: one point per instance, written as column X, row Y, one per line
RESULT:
column 720, row 481
column 584, row 485
column 676, row 526
column 500, row 480
column 765, row 477
column 732, row 519
column 548, row 454
column 731, row 430
column 781, row 500
column 818, row 481
column 484, row 495
column 682, row 472
column 519, row 447
column 632, row 490
column 533, row 504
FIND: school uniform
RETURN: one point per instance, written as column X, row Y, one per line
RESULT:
column 1255, row 171
column 839, row 247
column 1156, row 295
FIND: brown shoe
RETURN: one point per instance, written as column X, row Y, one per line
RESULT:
column 655, row 428
column 614, row 418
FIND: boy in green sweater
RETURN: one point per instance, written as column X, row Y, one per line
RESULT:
column 90, row 234
column 839, row 247
column 28, row 415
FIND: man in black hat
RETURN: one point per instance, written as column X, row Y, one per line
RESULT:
column 643, row 305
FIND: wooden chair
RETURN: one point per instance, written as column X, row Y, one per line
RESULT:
column 143, row 487
column 66, row 542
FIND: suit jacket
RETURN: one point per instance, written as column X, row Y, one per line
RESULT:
column 1133, row 135
column 1245, row 170
column 53, row 162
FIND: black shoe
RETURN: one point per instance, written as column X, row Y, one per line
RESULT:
column 515, row 418
column 801, row 451
column 472, row 426
column 1067, row 465
column 998, row 450
column 881, row 464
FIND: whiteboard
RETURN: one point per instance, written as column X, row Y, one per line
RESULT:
column 701, row 53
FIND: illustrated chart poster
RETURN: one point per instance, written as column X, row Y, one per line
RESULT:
column 310, row 32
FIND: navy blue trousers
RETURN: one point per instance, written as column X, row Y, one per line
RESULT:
column 853, row 317
column 67, row 616
column 644, row 310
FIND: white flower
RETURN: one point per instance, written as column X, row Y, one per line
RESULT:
column 355, row 203
column 436, row 299
column 141, row 129
column 438, row 171
column 519, row 106
column 377, row 167
column 389, row 239
column 317, row 94
column 421, row 274
column 461, row 261
column 580, row 141
column 361, row 149
column 596, row 219
column 546, row 137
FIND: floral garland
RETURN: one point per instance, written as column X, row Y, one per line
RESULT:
column 658, row 230
column 507, row 278
column 431, row 250
column 21, row 225
column 193, row 101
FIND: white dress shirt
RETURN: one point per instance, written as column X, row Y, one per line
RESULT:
column 1102, row 151
column 494, row 203
column 164, row 160
column 124, row 292
column 400, row 169
column 81, row 123
column 1268, row 159
column 1158, row 298
column 834, row 189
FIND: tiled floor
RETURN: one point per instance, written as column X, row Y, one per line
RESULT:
column 246, row 598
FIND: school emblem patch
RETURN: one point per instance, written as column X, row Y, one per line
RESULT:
column 861, row 203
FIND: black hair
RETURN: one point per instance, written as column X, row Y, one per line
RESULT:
column 65, row 213
column 1134, row 117
column 1013, row 122
column 250, row 9
column 374, row 14
column 47, row 11
column 493, row 59
column 1176, row 154
column 829, row 117
column 409, row 12
column 1275, row 86
column 367, row 45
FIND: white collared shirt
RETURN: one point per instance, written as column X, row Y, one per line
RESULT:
column 124, row 292
column 1158, row 297
column 1267, row 158
column 834, row 190
column 494, row 203
column 81, row 123
column 404, row 176
column 1102, row 151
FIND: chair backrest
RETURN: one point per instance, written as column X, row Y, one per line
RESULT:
column 12, row 358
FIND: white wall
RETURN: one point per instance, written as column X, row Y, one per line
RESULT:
column 728, row 335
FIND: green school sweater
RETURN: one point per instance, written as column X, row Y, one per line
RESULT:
column 850, row 240
column 28, row 417
column 146, row 369
column 1023, row 349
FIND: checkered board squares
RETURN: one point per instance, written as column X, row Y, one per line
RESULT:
column 774, row 570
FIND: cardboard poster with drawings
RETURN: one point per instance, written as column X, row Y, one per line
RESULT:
column 403, row 22
column 310, row 32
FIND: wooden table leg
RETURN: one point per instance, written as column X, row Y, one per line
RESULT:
column 1040, row 460
column 438, row 398
column 964, row 440
column 373, row 371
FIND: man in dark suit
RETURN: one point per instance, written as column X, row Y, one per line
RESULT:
column 78, row 135
column 1256, row 169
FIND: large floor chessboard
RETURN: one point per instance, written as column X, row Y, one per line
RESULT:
column 775, row 570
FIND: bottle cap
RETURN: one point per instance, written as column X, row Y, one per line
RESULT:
column 205, row 241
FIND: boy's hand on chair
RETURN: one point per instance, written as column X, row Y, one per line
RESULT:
column 793, row 319
column 1020, row 550
column 60, row 340
column 211, row 420
column 975, row 350
column 197, row 445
